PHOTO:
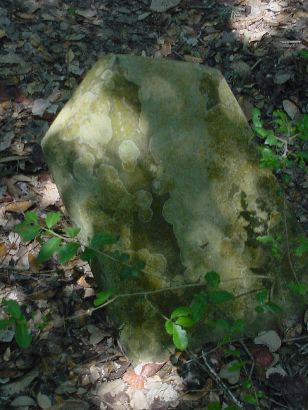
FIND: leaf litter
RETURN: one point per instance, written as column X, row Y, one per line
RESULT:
column 46, row 47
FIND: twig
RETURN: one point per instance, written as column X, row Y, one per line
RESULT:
column 155, row 308
column 277, row 402
column 251, row 357
column 294, row 339
column 218, row 380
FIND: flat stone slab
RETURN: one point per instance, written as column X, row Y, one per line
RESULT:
column 159, row 153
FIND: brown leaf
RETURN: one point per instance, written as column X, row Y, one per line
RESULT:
column 133, row 379
column 3, row 249
column 150, row 369
column 18, row 207
column 192, row 59
column 33, row 263
column 166, row 49
column 83, row 283
column 262, row 356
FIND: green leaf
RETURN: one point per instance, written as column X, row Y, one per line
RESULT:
column 185, row 321
column 300, row 288
column 302, row 128
column 265, row 239
column 237, row 326
column 71, row 231
column 260, row 309
column 102, row 297
column 12, row 308
column 220, row 296
column 263, row 133
column 273, row 307
column 31, row 217
column 72, row 10
column 304, row 54
column 247, row 383
column 102, row 239
column 302, row 248
column 169, row 327
column 22, row 335
column 273, row 141
column 256, row 118
column 249, row 398
column 214, row 405
column 87, row 255
column 27, row 232
column 233, row 352
column 198, row 306
column 236, row 366
column 47, row 250
column 269, row 159
column 4, row 323
column 222, row 323
column 212, row 279
column 262, row 296
column 68, row 251
column 180, row 340
column 181, row 311
column 52, row 218
column 282, row 122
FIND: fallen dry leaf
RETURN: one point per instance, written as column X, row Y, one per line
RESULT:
column 262, row 356
column 3, row 249
column 134, row 380
column 33, row 263
column 166, row 49
column 192, row 59
column 18, row 206
column 270, row 339
column 149, row 369
column 83, row 283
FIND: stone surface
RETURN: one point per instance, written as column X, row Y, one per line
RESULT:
column 159, row 153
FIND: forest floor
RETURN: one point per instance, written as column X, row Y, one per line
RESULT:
column 75, row 361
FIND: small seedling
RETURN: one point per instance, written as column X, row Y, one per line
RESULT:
column 16, row 319
column 281, row 140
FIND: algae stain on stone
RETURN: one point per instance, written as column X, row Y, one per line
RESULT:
column 209, row 89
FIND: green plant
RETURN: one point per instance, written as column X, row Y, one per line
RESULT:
column 303, row 54
column 71, row 10
column 185, row 317
column 265, row 304
column 64, row 243
column 281, row 151
column 274, row 242
column 15, row 318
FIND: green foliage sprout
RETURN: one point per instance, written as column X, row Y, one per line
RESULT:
column 15, row 318
column 279, row 152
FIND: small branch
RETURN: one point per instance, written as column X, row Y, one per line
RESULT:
column 220, row 383
column 146, row 293
column 155, row 308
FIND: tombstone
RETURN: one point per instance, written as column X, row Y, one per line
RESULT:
column 159, row 154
